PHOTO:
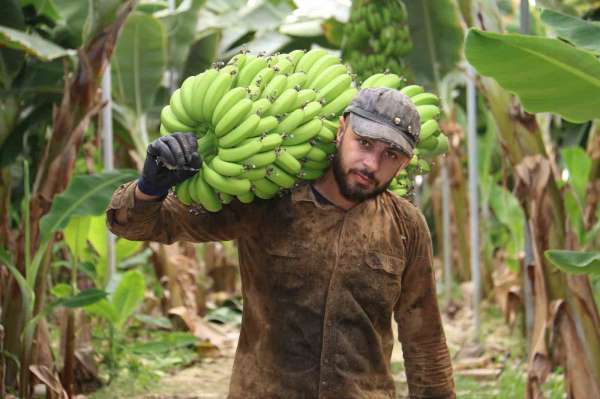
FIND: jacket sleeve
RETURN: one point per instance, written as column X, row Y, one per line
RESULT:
column 420, row 329
column 169, row 220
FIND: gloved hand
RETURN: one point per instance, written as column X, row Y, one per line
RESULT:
column 169, row 160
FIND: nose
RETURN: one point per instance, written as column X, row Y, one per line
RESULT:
column 371, row 162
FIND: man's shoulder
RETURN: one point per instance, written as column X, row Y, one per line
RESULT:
column 405, row 208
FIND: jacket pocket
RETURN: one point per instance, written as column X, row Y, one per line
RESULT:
column 392, row 265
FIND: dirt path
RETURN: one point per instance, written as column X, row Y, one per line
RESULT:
column 210, row 378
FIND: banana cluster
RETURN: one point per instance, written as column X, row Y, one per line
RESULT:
column 431, row 141
column 376, row 37
column 262, row 122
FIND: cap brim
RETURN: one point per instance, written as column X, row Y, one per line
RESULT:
column 367, row 128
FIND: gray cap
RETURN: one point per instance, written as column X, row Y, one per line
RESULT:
column 385, row 114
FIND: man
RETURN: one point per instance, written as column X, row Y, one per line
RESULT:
column 324, row 267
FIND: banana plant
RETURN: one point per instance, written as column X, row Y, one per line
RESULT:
column 86, row 195
column 572, row 72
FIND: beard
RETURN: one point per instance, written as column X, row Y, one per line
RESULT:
column 355, row 193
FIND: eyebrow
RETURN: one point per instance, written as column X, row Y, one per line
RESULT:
column 388, row 148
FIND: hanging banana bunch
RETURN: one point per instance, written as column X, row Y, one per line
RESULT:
column 265, row 123
column 376, row 37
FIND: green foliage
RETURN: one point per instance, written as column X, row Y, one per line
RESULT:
column 85, row 195
column 582, row 34
column 576, row 262
column 509, row 213
column 548, row 75
column 32, row 44
column 127, row 296
column 435, row 27
column 139, row 62
column 180, row 27
column 10, row 60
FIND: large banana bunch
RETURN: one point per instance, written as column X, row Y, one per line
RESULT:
column 431, row 141
column 263, row 123
column 376, row 37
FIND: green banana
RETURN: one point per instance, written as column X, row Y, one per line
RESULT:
column 284, row 65
column 260, row 160
column 330, row 73
column 283, row 103
column 260, row 106
column 275, row 87
column 325, row 135
column 233, row 117
column 279, row 177
column 241, row 152
column 427, row 112
column 298, row 151
column 428, row 144
column 370, row 81
column 182, row 192
column 163, row 130
column 295, row 56
column 303, row 133
column 389, row 80
column 228, row 185
column 246, row 198
column 265, row 125
column 250, row 70
column 171, row 123
column 428, row 129
column 335, row 87
column 225, row 168
column 310, row 174
column 315, row 165
column 216, row 91
column 309, row 59
column 205, row 193
column 311, row 110
column 304, row 97
column 411, row 90
column 254, row 174
column 207, row 144
column 291, row 121
column 287, row 162
column 200, row 88
column 316, row 154
column 425, row 99
column 264, row 188
column 336, row 106
column 179, row 110
column 225, row 198
column 319, row 67
column 240, row 133
column 270, row 141
column 297, row 79
column 231, row 98
column 187, row 91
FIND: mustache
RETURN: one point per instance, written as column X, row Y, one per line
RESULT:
column 366, row 173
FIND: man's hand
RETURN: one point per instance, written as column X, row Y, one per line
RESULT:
column 169, row 160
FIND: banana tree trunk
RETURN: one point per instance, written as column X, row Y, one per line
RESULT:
column 566, row 325
column 79, row 104
column 593, row 194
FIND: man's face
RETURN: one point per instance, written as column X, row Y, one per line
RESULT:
column 364, row 167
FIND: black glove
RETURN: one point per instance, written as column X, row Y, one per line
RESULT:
column 169, row 160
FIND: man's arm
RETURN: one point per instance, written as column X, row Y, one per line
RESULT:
column 420, row 330
column 136, row 216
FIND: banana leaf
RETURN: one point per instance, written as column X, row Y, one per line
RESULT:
column 32, row 44
column 437, row 35
column 85, row 195
column 583, row 34
column 11, row 60
column 128, row 295
column 548, row 75
column 575, row 262
column 139, row 62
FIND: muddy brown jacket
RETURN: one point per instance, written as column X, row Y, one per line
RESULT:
column 320, row 286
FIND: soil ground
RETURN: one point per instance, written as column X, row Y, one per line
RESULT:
column 477, row 366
